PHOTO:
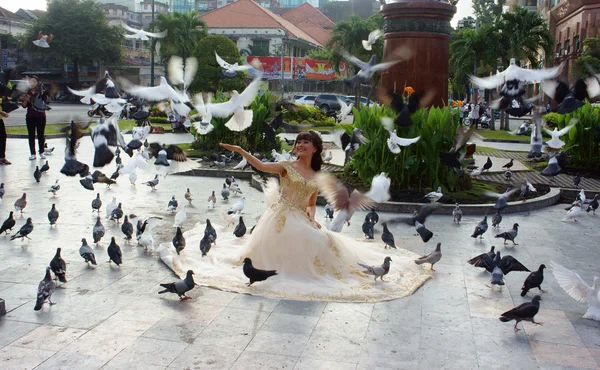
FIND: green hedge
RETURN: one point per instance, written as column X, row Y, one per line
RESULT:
column 158, row 119
column 308, row 115
column 418, row 165
column 251, row 139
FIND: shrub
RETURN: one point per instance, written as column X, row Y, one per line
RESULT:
column 418, row 165
column 156, row 112
column 583, row 140
column 251, row 139
column 309, row 115
column 552, row 118
column 158, row 119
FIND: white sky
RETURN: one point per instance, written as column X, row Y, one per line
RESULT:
column 464, row 7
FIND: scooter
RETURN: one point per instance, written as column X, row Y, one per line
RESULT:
column 99, row 110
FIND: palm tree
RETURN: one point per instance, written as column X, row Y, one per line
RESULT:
column 523, row 35
column 184, row 31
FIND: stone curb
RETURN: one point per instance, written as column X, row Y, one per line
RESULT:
column 479, row 137
column 446, row 209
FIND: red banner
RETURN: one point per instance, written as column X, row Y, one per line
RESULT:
column 303, row 68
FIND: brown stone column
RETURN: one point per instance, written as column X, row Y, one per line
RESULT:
column 423, row 26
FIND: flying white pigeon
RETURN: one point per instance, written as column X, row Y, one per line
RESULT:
column 577, row 288
column 237, row 207
column 241, row 119
column 230, row 68
column 141, row 34
column 556, row 142
column 204, row 126
column 514, row 78
column 368, row 69
column 85, row 94
column 373, row 37
column 180, row 217
column 394, row 142
column 43, row 41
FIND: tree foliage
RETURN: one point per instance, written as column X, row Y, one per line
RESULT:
column 209, row 77
column 589, row 56
column 487, row 11
column 184, row 32
column 81, row 34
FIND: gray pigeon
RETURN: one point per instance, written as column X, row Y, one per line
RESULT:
column 117, row 213
column 592, row 207
column 367, row 228
column 24, row 231
column 127, row 228
column 96, row 203
column 205, row 243
column 502, row 201
column 329, row 211
column 225, row 192
column 212, row 233
column 433, row 257
column 425, row 233
column 53, row 215
column 86, row 252
column 98, row 231
column 179, row 241
column 373, row 217
column 152, row 183
column 8, row 224
column 497, row 219
column 378, row 271
column 510, row 235
column 114, row 252
column 181, row 287
column 59, row 267
column 2, row 190
column 480, row 229
column 457, row 214
column 172, row 206
column 553, row 168
column 45, row 290
column 240, row 228
column 387, row 237
column 37, row 174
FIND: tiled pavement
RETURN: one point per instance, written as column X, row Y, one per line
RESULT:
column 113, row 318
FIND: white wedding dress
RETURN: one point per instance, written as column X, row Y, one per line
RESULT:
column 312, row 263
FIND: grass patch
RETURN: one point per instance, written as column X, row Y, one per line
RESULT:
column 502, row 135
column 191, row 152
column 54, row 128
column 480, row 149
column 285, row 145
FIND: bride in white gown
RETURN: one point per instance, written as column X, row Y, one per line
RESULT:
column 312, row 262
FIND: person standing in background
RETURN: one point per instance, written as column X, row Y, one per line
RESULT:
column 475, row 114
column 35, row 101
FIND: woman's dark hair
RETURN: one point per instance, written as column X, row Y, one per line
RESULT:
column 317, row 161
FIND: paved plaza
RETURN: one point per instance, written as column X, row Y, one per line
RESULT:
column 113, row 318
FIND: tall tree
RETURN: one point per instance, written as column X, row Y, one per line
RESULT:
column 589, row 56
column 81, row 34
column 486, row 11
column 184, row 32
column 209, row 77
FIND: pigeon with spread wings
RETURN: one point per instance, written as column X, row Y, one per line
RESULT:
column 72, row 166
column 170, row 159
column 372, row 39
column 577, row 288
column 106, row 94
column 231, row 69
column 556, row 143
column 404, row 106
column 43, row 41
column 368, row 69
column 394, row 142
column 141, row 34
column 346, row 203
column 514, row 78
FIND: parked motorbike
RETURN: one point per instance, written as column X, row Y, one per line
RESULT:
column 128, row 111
column 99, row 110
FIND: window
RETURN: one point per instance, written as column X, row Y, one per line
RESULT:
column 567, row 47
column 576, row 42
column 558, row 50
column 260, row 47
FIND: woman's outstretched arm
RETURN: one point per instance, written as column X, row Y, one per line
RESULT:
column 270, row 167
column 311, row 208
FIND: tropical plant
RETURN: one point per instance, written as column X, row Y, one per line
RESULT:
column 418, row 165
column 309, row 115
column 81, row 34
column 487, row 11
column 583, row 140
column 589, row 56
column 184, row 32
column 251, row 139
column 210, row 77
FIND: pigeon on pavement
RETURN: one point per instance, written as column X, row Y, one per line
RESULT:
column 45, row 290
column 497, row 219
column 21, row 203
column 37, row 175
column 117, row 213
column 59, row 267
column 86, row 252
column 53, row 215
column 114, row 252
column 240, row 228
column 432, row 258
column 502, row 201
column 367, row 229
column 523, row 312
column 178, row 241
column 98, row 231
column 127, row 228
column 534, row 280
column 255, row 274
column 54, row 188
column 180, row 217
column 499, row 266
column 372, row 216
column 578, row 289
column 172, row 206
column 329, row 211
column 480, row 229
column 593, row 206
column 237, row 207
column 510, row 235
column 8, row 224
column 24, row 231
column 205, row 243
column 378, row 271
column 457, row 214
column 387, row 237
column 225, row 192
column 181, row 287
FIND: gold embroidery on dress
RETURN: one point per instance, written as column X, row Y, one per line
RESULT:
column 337, row 274
column 333, row 247
column 356, row 272
column 319, row 266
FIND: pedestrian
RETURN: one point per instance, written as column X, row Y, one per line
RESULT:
column 35, row 101
column 475, row 114
column 5, row 92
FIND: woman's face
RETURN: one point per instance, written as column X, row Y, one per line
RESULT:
column 304, row 148
column 33, row 83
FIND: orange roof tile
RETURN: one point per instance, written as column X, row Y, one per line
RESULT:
column 308, row 12
column 248, row 14
column 315, row 31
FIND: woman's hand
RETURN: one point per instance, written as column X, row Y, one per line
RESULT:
column 233, row 148
column 3, row 114
column 318, row 225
